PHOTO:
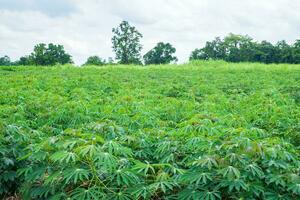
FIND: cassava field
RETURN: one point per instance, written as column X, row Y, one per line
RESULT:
column 204, row 130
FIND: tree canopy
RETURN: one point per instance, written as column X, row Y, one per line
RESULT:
column 95, row 60
column 24, row 60
column 49, row 55
column 5, row 61
column 126, row 44
column 162, row 53
column 127, row 47
column 240, row 48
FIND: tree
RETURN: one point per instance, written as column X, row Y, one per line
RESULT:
column 95, row 60
column 110, row 61
column 24, row 60
column 296, row 52
column 213, row 50
column 126, row 44
column 5, row 61
column 238, row 48
column 162, row 53
column 51, row 55
column 198, row 54
column 266, row 52
column 284, row 52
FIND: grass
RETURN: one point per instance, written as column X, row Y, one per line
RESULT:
column 152, row 115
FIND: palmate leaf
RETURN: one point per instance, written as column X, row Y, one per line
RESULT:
column 230, row 172
column 7, row 161
column 124, row 177
column 189, row 194
column 90, row 150
column 8, row 176
column 42, row 192
column 287, row 156
column 188, row 128
column 59, row 196
column 206, row 161
column 53, row 178
column 169, row 158
column 295, row 188
column 255, row 170
column 163, row 186
column 277, row 164
column 276, row 179
column 144, row 168
column 25, row 171
column 39, row 155
column 92, row 137
column 257, row 189
column 234, row 158
column 275, row 195
column 74, row 175
column 163, row 147
column 32, row 174
column 105, row 160
column 235, row 184
column 196, row 177
column 170, row 169
column 115, row 148
column 121, row 196
column 69, row 144
column 142, row 192
column 93, row 193
column 63, row 156
column 210, row 195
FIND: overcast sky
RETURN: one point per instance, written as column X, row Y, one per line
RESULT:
column 84, row 26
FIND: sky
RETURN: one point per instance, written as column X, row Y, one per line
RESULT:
column 84, row 27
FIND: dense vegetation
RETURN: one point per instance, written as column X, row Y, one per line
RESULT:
column 126, row 44
column 95, row 60
column 127, row 48
column 205, row 130
column 239, row 48
column 42, row 55
column 162, row 53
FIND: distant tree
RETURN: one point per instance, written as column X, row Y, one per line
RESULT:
column 296, row 52
column 49, row 55
column 284, row 52
column 162, row 53
column 213, row 50
column 126, row 44
column 95, row 60
column 110, row 61
column 238, row 48
column 266, row 52
column 5, row 61
column 24, row 60
column 198, row 54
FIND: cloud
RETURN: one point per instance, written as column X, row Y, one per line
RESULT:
column 84, row 27
column 52, row 8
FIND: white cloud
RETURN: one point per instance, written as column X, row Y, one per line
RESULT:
column 84, row 27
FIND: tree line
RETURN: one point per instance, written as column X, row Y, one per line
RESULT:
column 239, row 48
column 127, row 47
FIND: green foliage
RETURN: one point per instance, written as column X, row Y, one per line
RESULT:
column 46, row 55
column 126, row 44
column 24, row 60
column 162, row 53
column 95, row 60
column 205, row 130
column 239, row 48
column 5, row 61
